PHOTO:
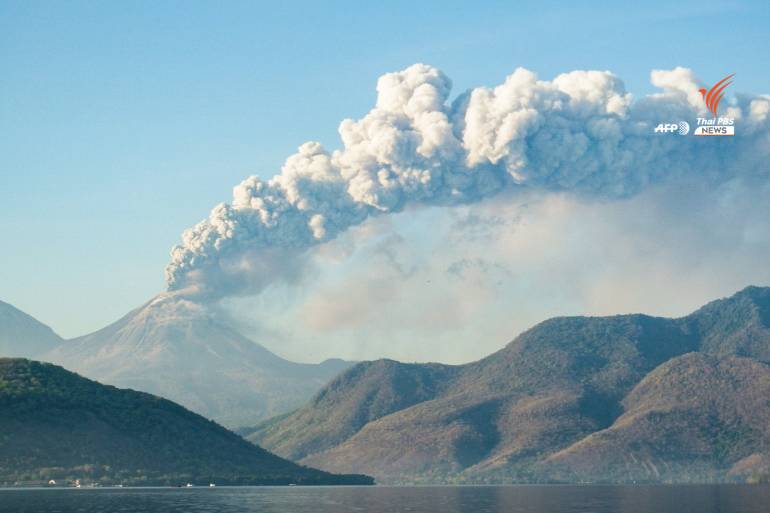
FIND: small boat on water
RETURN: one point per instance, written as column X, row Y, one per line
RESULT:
column 212, row 485
column 188, row 485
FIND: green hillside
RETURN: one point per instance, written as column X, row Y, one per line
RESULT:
column 58, row 425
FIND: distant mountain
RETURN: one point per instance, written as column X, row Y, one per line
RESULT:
column 572, row 399
column 22, row 335
column 696, row 415
column 366, row 392
column 58, row 425
column 182, row 350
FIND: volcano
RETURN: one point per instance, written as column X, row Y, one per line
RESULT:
column 187, row 352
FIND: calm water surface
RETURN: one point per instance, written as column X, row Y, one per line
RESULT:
column 383, row 499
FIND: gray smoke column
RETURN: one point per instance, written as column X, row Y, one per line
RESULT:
column 580, row 132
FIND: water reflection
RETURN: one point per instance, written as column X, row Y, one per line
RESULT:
column 381, row 499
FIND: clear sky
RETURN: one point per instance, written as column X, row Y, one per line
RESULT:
column 123, row 123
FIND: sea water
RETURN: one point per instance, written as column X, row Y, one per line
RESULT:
column 385, row 499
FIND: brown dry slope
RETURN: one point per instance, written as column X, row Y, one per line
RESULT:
column 696, row 414
column 513, row 415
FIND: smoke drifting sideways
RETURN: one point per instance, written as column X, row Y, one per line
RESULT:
column 579, row 133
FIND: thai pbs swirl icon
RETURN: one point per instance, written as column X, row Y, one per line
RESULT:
column 684, row 128
column 713, row 96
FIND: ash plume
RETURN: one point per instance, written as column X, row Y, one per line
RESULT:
column 580, row 133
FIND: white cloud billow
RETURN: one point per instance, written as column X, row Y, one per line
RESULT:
column 580, row 132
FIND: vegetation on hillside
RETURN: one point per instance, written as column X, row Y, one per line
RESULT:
column 58, row 425
column 542, row 408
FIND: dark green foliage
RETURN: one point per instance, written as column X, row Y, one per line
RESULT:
column 55, row 424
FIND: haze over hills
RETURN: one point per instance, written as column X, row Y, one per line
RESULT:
column 622, row 398
column 22, row 335
column 58, row 425
column 182, row 350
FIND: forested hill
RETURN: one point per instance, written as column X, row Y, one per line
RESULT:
column 58, row 425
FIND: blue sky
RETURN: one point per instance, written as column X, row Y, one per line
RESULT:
column 121, row 124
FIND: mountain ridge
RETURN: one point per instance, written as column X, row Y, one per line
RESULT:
column 59, row 425
column 498, row 419
column 180, row 349
column 21, row 335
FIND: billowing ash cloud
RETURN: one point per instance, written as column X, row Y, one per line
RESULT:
column 580, row 132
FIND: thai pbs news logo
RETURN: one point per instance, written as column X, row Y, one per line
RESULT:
column 714, row 126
